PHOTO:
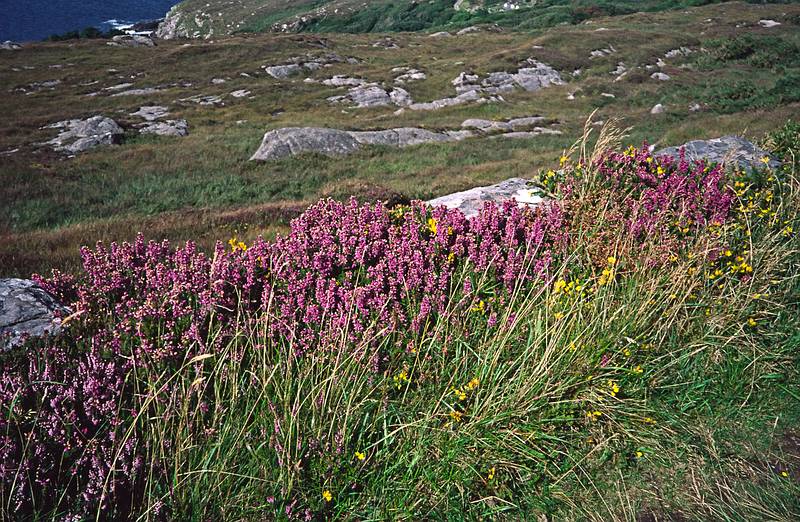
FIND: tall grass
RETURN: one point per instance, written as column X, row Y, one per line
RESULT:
column 615, row 383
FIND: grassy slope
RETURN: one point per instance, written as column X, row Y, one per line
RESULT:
column 50, row 205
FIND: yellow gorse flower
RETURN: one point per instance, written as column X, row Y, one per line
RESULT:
column 401, row 378
column 235, row 244
column 593, row 415
column 432, row 225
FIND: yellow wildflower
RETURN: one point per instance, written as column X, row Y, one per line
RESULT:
column 593, row 415
column 490, row 476
column 327, row 496
column 432, row 225
column 559, row 315
column 456, row 415
column 612, row 260
column 360, row 455
column 472, row 384
column 559, row 286
column 751, row 322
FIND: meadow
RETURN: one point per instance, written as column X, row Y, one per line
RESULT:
column 305, row 339
column 627, row 351
column 202, row 187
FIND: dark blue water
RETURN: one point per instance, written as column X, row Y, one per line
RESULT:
column 26, row 20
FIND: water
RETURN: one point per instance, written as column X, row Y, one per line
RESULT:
column 26, row 20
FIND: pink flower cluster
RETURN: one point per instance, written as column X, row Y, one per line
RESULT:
column 344, row 273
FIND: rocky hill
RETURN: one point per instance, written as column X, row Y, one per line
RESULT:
column 203, row 19
column 103, row 138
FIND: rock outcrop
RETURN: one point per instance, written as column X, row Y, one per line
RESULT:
column 166, row 128
column 298, row 64
column 151, row 112
column 471, row 201
column 291, row 141
column 534, row 76
column 8, row 45
column 170, row 28
column 132, row 40
column 26, row 311
column 727, row 149
column 82, row 135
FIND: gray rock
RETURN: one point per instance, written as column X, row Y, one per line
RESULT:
column 146, row 91
column 440, row 34
column 471, row 201
column 166, row 128
column 469, row 96
column 171, row 27
column 537, row 131
column 343, row 81
column 81, row 135
column 281, row 72
column 401, row 97
column 621, row 69
column 27, row 311
column 292, row 141
column 532, row 79
column 662, row 77
column 466, row 82
column 401, row 137
column 727, row 149
column 8, row 45
column 151, row 112
column 242, row 93
column 486, row 125
column 386, row 43
column 118, row 87
column 657, row 109
column 218, row 81
column 203, row 99
column 522, row 123
column 469, row 30
column 369, row 95
column 535, row 76
column 409, row 75
column 602, row 53
column 768, row 23
column 695, row 107
column 132, row 40
column 38, row 86
column 681, row 51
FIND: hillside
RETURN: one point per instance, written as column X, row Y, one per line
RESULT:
column 402, row 261
column 738, row 77
column 201, row 19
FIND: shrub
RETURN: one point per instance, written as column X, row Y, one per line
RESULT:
column 297, row 354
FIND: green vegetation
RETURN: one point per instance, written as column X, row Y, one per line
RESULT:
column 640, row 377
column 203, row 187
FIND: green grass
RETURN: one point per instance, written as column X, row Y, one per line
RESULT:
column 698, row 414
column 48, row 203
